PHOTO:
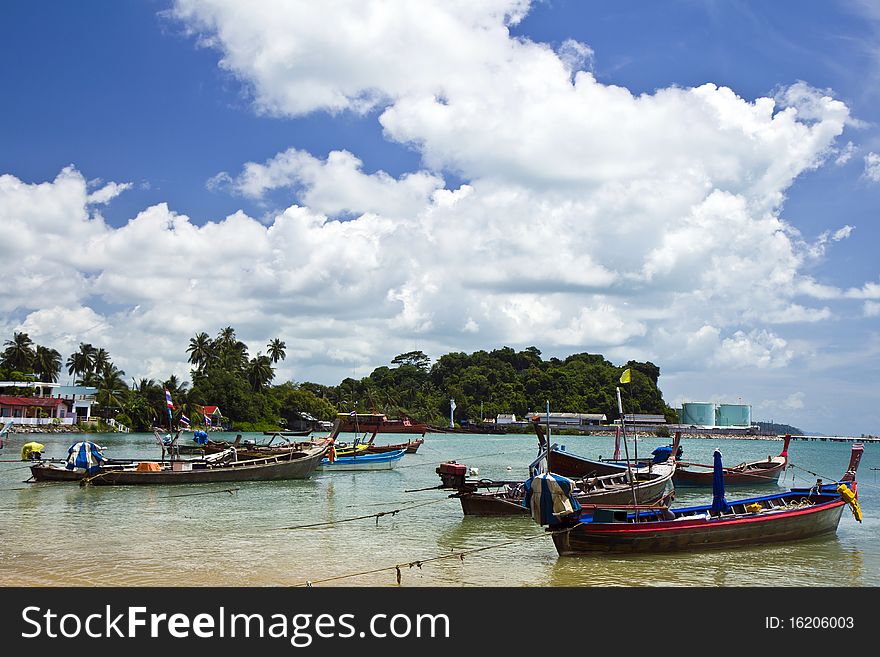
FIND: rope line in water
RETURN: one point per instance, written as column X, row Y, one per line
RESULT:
column 393, row 512
column 420, row 562
column 231, row 491
column 470, row 460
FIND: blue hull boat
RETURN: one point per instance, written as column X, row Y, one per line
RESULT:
column 384, row 461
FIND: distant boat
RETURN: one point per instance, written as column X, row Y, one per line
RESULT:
column 379, row 423
column 482, row 429
column 787, row 516
column 304, row 432
column 765, row 471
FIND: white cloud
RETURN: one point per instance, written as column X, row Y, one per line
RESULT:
column 845, row 154
column 336, row 185
column 795, row 401
column 107, row 193
column 872, row 167
column 758, row 348
column 304, row 56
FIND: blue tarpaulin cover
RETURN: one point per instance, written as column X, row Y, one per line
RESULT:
column 86, row 455
column 201, row 437
column 548, row 496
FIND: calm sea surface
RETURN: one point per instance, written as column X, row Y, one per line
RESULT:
column 62, row 534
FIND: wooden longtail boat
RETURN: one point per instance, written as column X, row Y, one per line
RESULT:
column 755, row 472
column 304, row 432
column 379, row 423
column 287, row 465
column 787, row 516
column 386, row 461
column 595, row 482
column 369, row 447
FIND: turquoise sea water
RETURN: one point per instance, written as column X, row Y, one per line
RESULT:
column 62, row 534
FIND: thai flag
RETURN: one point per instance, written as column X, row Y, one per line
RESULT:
column 184, row 420
column 207, row 420
column 168, row 399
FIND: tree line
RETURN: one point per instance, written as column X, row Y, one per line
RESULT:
column 483, row 384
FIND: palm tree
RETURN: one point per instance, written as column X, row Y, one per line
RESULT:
column 47, row 364
column 276, row 349
column 77, row 364
column 260, row 372
column 82, row 361
column 200, row 350
column 19, row 353
column 100, row 358
column 226, row 336
column 111, row 386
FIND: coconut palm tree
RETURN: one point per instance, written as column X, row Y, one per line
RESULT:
column 112, row 391
column 47, row 364
column 77, row 364
column 100, row 358
column 82, row 361
column 276, row 349
column 260, row 372
column 226, row 336
column 200, row 350
column 19, row 353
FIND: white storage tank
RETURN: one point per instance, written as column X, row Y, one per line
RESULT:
column 698, row 414
column 733, row 415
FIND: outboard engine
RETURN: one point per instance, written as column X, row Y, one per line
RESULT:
column 452, row 474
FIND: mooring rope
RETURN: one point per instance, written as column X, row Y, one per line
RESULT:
column 231, row 491
column 470, row 459
column 393, row 512
column 418, row 563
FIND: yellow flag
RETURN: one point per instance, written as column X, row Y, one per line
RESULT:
column 626, row 377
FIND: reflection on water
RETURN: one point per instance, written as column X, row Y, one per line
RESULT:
column 55, row 534
column 815, row 562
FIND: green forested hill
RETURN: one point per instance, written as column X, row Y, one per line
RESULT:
column 498, row 381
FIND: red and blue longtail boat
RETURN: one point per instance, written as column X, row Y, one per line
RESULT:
column 791, row 515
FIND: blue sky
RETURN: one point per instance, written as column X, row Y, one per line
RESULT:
column 691, row 183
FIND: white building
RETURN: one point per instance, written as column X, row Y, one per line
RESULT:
column 53, row 403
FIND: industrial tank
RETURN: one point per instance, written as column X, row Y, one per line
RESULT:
column 733, row 415
column 700, row 414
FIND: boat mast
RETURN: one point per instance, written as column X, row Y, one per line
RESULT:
column 626, row 451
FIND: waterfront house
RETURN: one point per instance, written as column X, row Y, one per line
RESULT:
column 45, row 403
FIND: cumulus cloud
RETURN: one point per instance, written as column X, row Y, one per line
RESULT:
column 334, row 186
column 872, row 167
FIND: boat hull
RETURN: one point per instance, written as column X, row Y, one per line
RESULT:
column 686, row 535
column 410, row 447
column 754, row 474
column 289, row 466
column 504, row 503
column 386, row 461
